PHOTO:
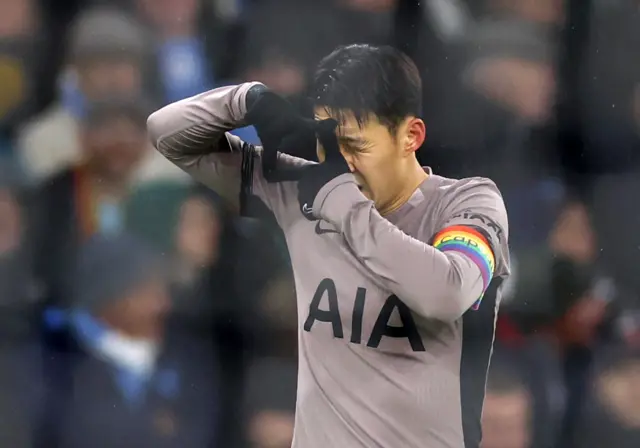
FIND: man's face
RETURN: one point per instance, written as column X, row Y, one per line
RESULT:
column 198, row 232
column 109, row 76
column 141, row 312
column 115, row 146
column 377, row 157
column 505, row 420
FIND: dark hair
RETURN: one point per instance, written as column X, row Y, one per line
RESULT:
column 367, row 80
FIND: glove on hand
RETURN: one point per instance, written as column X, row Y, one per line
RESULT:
column 279, row 126
column 314, row 177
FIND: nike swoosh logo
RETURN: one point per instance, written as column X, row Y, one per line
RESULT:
column 307, row 210
column 321, row 231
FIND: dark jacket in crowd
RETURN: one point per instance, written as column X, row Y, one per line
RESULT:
column 56, row 233
column 91, row 403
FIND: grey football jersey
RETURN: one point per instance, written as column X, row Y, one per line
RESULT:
column 394, row 340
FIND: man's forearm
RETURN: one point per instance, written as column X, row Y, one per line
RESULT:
column 194, row 126
column 192, row 134
column 434, row 284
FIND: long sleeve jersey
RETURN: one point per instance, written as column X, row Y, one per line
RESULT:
column 396, row 313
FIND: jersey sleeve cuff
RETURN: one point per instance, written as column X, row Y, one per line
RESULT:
column 241, row 101
column 337, row 198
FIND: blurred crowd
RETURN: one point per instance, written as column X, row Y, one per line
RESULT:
column 140, row 310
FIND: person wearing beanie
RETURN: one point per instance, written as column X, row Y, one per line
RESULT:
column 127, row 381
column 108, row 54
column 118, row 281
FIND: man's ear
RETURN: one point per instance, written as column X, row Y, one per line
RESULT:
column 414, row 135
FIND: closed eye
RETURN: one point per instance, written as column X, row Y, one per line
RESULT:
column 351, row 149
column 353, row 145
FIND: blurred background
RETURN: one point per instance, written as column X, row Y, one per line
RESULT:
column 139, row 310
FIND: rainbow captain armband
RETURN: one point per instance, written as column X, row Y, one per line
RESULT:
column 468, row 241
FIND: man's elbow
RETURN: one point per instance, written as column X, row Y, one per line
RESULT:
column 449, row 306
column 458, row 303
column 457, row 292
column 462, row 287
column 156, row 126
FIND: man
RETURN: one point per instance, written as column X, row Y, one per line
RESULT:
column 128, row 376
column 109, row 55
column 181, row 47
column 90, row 197
column 611, row 415
column 387, row 256
column 106, row 53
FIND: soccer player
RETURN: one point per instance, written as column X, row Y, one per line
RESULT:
column 397, row 269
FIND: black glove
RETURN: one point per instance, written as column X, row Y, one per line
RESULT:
column 280, row 128
column 314, row 177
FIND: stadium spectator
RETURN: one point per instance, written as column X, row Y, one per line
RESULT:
column 280, row 47
column 506, row 417
column 227, row 283
column 109, row 55
column 609, row 166
column 183, row 63
column 612, row 414
column 207, row 299
column 129, row 380
column 88, row 197
column 284, row 44
column 198, row 237
column 508, row 86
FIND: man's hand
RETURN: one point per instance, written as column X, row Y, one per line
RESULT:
column 279, row 126
column 314, row 177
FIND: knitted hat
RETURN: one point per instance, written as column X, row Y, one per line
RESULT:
column 108, row 32
column 109, row 267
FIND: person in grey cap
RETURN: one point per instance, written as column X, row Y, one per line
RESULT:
column 119, row 281
column 109, row 53
column 127, row 380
